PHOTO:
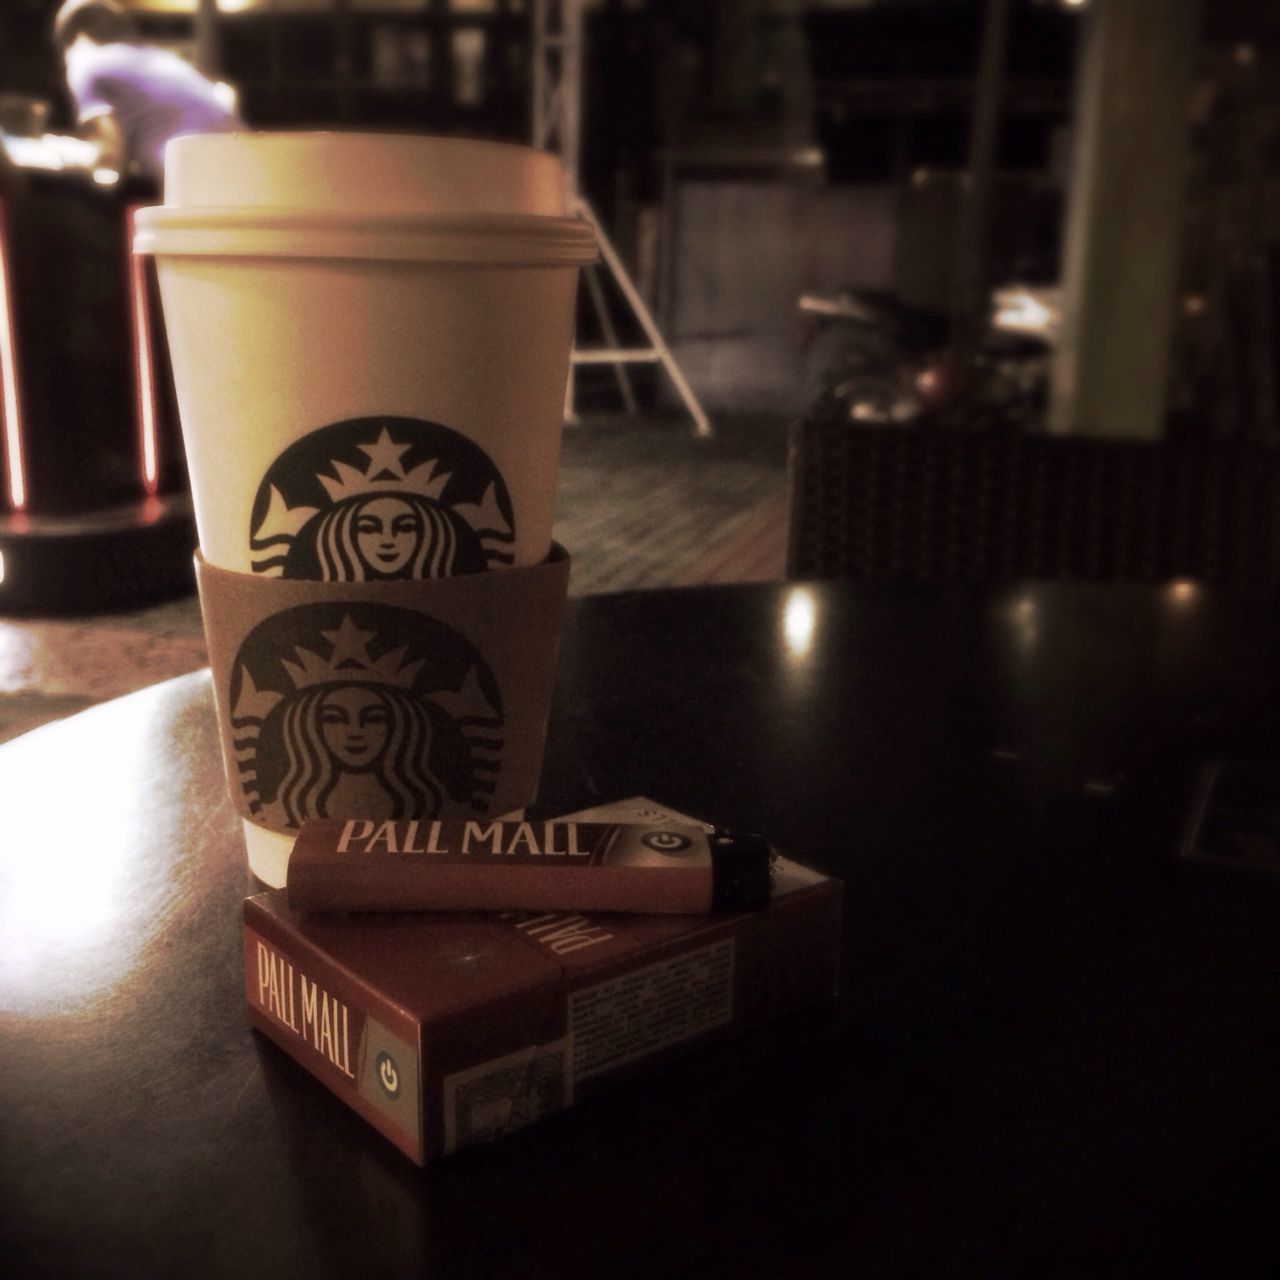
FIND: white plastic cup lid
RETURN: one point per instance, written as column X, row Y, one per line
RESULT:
column 374, row 173
column 364, row 195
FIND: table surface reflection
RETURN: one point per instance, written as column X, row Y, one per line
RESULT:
column 1056, row 1047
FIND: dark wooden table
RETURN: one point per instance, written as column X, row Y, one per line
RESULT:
column 1058, row 1044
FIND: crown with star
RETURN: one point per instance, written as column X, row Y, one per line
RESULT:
column 348, row 660
column 386, row 470
column 384, row 474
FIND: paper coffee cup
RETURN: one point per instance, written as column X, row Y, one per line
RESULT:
column 355, row 315
column 370, row 338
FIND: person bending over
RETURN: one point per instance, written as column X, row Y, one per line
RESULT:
column 132, row 98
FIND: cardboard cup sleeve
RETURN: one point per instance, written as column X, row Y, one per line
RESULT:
column 405, row 699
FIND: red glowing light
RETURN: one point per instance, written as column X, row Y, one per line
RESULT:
column 143, row 366
column 15, row 464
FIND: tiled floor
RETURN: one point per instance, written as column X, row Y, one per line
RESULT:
column 642, row 503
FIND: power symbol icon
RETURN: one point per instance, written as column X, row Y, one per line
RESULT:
column 388, row 1076
column 665, row 841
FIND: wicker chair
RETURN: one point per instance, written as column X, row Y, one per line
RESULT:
column 905, row 504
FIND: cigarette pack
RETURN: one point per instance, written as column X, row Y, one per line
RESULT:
column 444, row 1030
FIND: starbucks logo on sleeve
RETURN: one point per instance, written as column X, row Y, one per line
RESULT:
column 381, row 498
column 355, row 708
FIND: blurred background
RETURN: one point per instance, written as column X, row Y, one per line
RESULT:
column 1052, row 218
column 745, row 153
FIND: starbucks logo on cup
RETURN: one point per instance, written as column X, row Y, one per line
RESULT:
column 369, row 710
column 381, row 498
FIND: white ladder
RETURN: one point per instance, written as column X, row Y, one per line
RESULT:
column 557, row 125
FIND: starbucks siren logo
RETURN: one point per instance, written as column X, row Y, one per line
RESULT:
column 381, row 498
column 346, row 708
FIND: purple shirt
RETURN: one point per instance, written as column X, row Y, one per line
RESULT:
column 152, row 94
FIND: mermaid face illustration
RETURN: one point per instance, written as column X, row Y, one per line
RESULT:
column 353, row 724
column 343, row 709
column 355, row 748
column 368, row 539
column 388, row 534
column 381, row 498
